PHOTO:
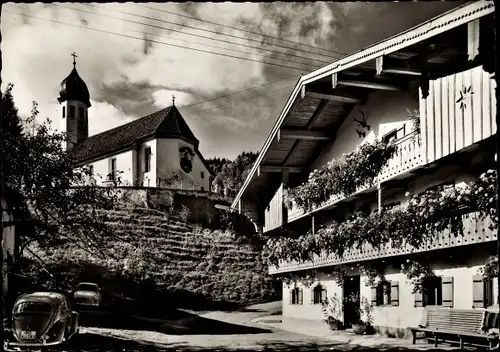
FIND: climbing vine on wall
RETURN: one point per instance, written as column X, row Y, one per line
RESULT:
column 341, row 177
column 412, row 223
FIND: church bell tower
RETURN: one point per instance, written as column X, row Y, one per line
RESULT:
column 75, row 99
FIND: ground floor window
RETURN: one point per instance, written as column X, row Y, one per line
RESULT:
column 433, row 292
column 318, row 294
column 296, row 296
column 483, row 292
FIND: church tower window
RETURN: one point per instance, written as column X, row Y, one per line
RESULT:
column 71, row 111
column 80, row 112
column 64, row 112
column 147, row 159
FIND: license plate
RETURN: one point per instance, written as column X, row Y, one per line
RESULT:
column 28, row 335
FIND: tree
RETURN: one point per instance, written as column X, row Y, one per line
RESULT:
column 232, row 174
column 60, row 206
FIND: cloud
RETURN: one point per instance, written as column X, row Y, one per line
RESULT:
column 129, row 78
column 163, row 98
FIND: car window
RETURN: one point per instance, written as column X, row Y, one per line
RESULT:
column 33, row 307
column 87, row 287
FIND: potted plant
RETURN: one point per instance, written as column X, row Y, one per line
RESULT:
column 364, row 310
column 332, row 312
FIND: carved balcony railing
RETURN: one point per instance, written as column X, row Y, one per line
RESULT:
column 476, row 230
column 408, row 155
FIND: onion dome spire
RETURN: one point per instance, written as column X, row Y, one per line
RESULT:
column 74, row 88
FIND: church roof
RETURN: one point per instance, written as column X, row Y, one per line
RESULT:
column 74, row 88
column 166, row 123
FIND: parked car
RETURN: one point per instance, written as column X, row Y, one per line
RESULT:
column 41, row 319
column 87, row 294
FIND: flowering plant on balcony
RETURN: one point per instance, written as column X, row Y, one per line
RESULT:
column 416, row 272
column 412, row 223
column 343, row 177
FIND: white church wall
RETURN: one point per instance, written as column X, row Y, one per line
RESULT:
column 193, row 178
column 147, row 179
column 167, row 158
column 124, row 164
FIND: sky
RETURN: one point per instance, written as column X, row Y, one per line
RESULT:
column 135, row 56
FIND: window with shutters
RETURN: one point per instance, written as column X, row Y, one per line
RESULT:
column 432, row 291
column 318, row 294
column 482, row 292
column 382, row 293
column 296, row 296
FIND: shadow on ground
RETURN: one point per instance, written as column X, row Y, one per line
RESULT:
column 93, row 342
column 177, row 323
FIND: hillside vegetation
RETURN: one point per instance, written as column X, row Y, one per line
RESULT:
column 231, row 175
column 163, row 255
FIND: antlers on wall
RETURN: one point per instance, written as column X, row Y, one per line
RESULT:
column 362, row 123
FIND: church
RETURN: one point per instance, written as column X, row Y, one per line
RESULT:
column 157, row 150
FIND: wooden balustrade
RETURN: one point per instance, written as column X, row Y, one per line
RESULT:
column 408, row 155
column 476, row 230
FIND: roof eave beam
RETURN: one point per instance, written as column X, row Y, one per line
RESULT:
column 304, row 134
column 381, row 69
column 332, row 97
column 363, row 84
column 278, row 168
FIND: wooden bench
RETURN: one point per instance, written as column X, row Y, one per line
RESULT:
column 442, row 324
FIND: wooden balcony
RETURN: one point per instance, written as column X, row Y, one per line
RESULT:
column 409, row 155
column 475, row 231
column 459, row 111
column 275, row 212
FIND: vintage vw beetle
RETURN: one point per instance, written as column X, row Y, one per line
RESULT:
column 41, row 319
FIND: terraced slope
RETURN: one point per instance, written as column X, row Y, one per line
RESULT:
column 175, row 256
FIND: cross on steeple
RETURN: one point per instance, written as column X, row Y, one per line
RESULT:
column 173, row 100
column 74, row 58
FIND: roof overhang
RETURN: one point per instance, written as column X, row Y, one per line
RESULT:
column 321, row 99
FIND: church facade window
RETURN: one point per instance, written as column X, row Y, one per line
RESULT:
column 147, row 159
column 71, row 111
column 112, row 169
column 202, row 174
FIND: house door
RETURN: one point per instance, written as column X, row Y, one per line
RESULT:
column 351, row 288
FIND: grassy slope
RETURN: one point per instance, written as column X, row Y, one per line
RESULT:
column 161, row 251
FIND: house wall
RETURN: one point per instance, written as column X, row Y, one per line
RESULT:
column 308, row 310
column 385, row 111
column 393, row 320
